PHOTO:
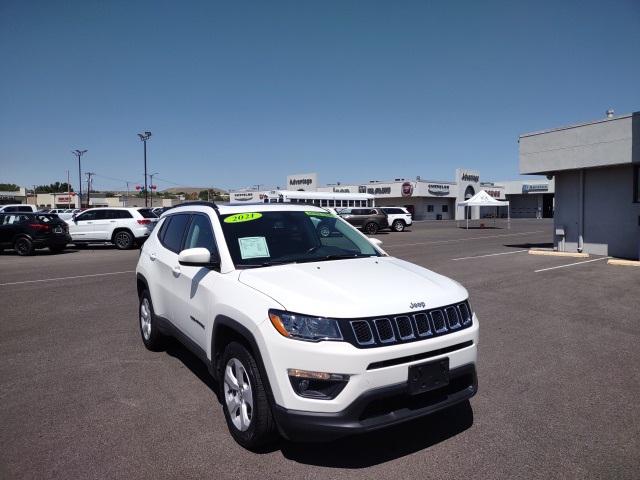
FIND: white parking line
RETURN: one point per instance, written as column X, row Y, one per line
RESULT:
column 463, row 239
column 571, row 264
column 66, row 278
column 489, row 255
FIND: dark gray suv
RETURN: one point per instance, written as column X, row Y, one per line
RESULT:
column 370, row 220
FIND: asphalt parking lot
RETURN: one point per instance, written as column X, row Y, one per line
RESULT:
column 559, row 375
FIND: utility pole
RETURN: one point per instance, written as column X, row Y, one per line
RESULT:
column 68, row 191
column 144, row 137
column 89, row 175
column 79, row 153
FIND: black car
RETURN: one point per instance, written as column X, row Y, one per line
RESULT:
column 24, row 232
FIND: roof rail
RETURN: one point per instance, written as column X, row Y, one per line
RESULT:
column 198, row 203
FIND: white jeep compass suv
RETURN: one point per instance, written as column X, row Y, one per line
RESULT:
column 282, row 303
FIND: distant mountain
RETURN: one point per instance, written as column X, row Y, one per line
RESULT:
column 175, row 190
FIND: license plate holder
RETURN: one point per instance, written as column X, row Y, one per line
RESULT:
column 428, row 376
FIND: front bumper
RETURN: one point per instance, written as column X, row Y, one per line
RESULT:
column 377, row 408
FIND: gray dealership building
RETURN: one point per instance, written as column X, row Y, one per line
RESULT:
column 597, row 183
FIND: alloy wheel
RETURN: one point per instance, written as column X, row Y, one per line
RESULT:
column 238, row 394
column 145, row 318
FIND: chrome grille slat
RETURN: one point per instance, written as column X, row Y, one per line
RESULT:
column 385, row 330
column 439, row 322
column 362, row 332
column 405, row 327
column 453, row 318
column 423, row 325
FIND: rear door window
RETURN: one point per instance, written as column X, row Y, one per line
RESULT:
column 147, row 213
column 173, row 233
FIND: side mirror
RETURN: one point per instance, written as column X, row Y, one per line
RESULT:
column 198, row 257
column 376, row 241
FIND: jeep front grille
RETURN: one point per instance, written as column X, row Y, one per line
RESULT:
column 408, row 327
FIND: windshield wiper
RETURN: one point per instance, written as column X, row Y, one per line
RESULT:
column 269, row 263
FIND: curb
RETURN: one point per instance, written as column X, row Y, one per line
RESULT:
column 621, row 262
column 553, row 253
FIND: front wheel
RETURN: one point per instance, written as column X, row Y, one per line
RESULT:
column 244, row 399
column 23, row 246
column 398, row 226
column 123, row 240
column 371, row 228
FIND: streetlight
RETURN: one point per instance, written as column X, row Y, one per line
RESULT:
column 79, row 153
column 144, row 137
column 151, row 185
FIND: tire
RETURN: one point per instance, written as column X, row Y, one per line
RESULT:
column 398, row 226
column 152, row 338
column 23, row 246
column 371, row 228
column 246, row 409
column 57, row 248
column 123, row 240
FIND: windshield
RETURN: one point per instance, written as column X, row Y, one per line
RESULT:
column 262, row 239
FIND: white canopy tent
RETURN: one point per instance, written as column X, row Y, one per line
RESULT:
column 483, row 199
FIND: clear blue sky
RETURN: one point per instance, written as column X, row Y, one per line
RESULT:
column 241, row 93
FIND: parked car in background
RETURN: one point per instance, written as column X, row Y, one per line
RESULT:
column 122, row 226
column 398, row 217
column 369, row 219
column 19, row 207
column 25, row 232
column 160, row 210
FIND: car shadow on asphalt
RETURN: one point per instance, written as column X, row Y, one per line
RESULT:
column 354, row 452
column 378, row 447
column 39, row 252
column 530, row 245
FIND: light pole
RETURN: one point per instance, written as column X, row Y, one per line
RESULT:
column 144, row 137
column 151, row 185
column 79, row 153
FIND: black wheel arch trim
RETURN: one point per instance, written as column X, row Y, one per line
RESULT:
column 245, row 333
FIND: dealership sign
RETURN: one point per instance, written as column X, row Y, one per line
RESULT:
column 532, row 188
column 302, row 181
column 469, row 177
column 438, row 189
column 242, row 196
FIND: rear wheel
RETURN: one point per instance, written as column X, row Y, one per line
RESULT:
column 151, row 336
column 244, row 399
column 398, row 226
column 371, row 228
column 23, row 246
column 123, row 240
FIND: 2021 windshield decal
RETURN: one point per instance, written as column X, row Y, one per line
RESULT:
column 242, row 217
column 320, row 214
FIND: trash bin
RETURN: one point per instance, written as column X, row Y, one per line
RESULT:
column 439, row 217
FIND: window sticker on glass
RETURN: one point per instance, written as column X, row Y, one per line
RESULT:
column 253, row 247
column 242, row 217
column 320, row 214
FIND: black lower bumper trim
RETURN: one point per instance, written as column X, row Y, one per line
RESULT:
column 378, row 408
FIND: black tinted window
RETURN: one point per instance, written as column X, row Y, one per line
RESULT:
column 147, row 213
column 200, row 234
column 174, row 231
column 120, row 214
column 102, row 214
column 88, row 215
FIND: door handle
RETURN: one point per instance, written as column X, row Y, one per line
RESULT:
column 153, row 256
column 89, row 223
column 112, row 221
column 176, row 270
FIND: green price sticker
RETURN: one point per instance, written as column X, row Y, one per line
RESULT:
column 320, row 214
column 242, row 217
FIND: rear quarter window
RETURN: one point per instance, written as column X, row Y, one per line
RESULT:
column 146, row 213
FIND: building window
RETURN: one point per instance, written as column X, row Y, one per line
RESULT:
column 445, row 208
column 636, row 184
column 324, row 203
column 429, row 208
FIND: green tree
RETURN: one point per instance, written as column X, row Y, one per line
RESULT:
column 56, row 187
column 9, row 187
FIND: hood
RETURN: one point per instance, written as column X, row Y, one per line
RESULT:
column 359, row 287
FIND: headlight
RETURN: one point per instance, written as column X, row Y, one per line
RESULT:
column 304, row 327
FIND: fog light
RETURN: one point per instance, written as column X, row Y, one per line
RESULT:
column 318, row 385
